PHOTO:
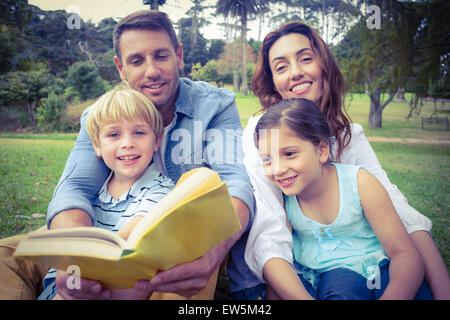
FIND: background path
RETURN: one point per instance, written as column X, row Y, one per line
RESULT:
column 409, row 140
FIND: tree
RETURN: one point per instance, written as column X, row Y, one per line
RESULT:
column 49, row 40
column 215, row 48
column 84, row 79
column 243, row 9
column 410, row 49
column 331, row 18
column 193, row 53
column 14, row 17
column 154, row 4
column 231, row 57
column 24, row 90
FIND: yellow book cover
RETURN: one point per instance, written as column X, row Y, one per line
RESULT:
column 193, row 218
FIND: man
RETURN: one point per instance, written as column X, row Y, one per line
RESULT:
column 195, row 116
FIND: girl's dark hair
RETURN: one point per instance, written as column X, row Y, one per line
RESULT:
column 332, row 101
column 301, row 116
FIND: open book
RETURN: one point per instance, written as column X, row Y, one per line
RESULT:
column 189, row 221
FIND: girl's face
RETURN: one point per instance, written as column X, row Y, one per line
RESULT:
column 290, row 162
column 295, row 68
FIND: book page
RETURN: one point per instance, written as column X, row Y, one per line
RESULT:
column 80, row 232
column 178, row 195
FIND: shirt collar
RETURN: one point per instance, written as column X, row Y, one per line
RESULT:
column 184, row 101
column 144, row 181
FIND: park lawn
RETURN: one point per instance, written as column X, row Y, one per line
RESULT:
column 28, row 175
column 395, row 124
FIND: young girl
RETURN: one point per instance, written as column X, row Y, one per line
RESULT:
column 348, row 241
column 294, row 62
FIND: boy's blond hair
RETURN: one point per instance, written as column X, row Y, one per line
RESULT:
column 122, row 103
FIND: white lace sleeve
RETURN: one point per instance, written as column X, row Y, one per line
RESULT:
column 360, row 152
column 269, row 236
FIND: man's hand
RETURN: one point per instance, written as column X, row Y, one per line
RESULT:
column 93, row 290
column 87, row 289
column 189, row 278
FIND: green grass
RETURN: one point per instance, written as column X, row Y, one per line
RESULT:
column 29, row 172
column 395, row 123
column 420, row 171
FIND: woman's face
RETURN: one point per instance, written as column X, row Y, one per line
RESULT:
column 295, row 68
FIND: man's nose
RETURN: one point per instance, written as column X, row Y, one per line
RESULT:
column 151, row 69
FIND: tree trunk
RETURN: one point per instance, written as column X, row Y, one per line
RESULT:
column 154, row 5
column 236, row 78
column 400, row 95
column 375, row 114
column 31, row 106
column 376, row 108
column 235, row 64
column 244, row 85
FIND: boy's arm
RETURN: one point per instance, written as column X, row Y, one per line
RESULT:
column 406, row 269
column 282, row 278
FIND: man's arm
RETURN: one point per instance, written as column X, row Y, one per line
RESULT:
column 71, row 218
column 71, row 206
column 79, row 184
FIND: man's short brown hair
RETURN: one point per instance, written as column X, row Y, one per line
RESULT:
column 144, row 20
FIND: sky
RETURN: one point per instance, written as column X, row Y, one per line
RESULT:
column 96, row 10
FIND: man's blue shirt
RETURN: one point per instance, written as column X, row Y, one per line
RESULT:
column 206, row 132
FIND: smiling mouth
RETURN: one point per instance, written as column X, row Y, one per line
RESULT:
column 287, row 181
column 128, row 158
column 154, row 85
column 301, row 87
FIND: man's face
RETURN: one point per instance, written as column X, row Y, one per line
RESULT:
column 150, row 65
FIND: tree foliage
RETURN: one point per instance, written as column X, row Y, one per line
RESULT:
column 83, row 78
column 14, row 17
column 410, row 49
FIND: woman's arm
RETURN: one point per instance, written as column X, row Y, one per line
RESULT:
column 406, row 269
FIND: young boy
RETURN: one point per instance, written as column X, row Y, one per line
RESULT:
column 125, row 129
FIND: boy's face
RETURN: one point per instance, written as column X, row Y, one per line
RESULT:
column 127, row 148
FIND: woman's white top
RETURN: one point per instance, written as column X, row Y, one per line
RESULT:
column 269, row 235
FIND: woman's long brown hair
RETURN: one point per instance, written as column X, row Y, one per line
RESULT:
column 332, row 101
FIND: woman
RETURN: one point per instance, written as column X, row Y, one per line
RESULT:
column 294, row 62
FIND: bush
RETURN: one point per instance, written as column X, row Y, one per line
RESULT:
column 70, row 119
column 49, row 112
